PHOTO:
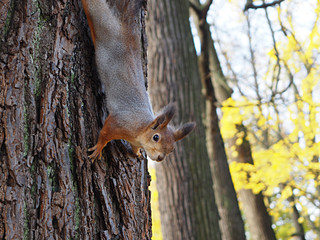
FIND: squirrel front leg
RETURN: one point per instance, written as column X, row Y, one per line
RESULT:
column 135, row 151
column 107, row 133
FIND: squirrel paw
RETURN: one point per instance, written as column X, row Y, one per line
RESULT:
column 96, row 154
column 135, row 152
column 138, row 154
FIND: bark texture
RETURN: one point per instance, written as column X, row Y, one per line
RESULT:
column 231, row 223
column 184, row 181
column 51, row 110
column 254, row 209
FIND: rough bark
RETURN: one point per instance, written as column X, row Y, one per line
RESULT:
column 50, row 112
column 184, row 181
column 231, row 223
column 254, row 209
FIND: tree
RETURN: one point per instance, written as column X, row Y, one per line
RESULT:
column 276, row 102
column 184, row 180
column 231, row 223
column 51, row 110
column 254, row 209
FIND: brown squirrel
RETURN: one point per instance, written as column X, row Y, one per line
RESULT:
column 116, row 38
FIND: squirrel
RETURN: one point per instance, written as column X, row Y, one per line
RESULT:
column 115, row 32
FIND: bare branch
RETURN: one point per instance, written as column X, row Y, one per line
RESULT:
column 275, row 82
column 206, row 7
column 195, row 7
column 250, row 5
column 201, row 9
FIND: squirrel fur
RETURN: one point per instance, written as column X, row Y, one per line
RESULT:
column 115, row 32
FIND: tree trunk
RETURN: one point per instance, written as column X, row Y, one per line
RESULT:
column 51, row 111
column 231, row 223
column 300, row 234
column 299, row 230
column 254, row 208
column 255, row 211
column 184, row 181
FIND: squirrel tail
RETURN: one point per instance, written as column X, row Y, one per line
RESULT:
column 113, row 17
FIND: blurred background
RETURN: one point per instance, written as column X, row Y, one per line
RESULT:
column 266, row 56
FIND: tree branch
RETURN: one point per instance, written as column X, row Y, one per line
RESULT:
column 195, row 7
column 201, row 9
column 250, row 5
column 206, row 7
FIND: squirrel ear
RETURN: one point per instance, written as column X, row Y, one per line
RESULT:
column 165, row 116
column 157, row 122
column 184, row 130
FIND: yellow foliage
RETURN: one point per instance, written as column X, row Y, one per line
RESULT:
column 239, row 141
column 155, row 213
column 286, row 192
column 262, row 121
column 234, row 154
column 283, row 129
column 239, row 177
column 234, row 113
column 301, row 220
column 231, row 117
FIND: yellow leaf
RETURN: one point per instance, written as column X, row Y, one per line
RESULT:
column 300, row 220
column 286, row 192
column 239, row 141
column 234, row 154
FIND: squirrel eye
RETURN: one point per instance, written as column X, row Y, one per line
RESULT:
column 156, row 137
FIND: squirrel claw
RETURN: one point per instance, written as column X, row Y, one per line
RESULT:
column 93, row 148
column 135, row 152
column 96, row 154
column 139, row 154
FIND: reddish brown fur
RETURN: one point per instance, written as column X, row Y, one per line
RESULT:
column 90, row 23
column 110, row 131
column 117, row 36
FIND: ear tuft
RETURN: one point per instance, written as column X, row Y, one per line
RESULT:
column 158, row 121
column 184, row 130
column 164, row 117
column 169, row 111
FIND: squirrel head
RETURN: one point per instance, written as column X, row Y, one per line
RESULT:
column 158, row 138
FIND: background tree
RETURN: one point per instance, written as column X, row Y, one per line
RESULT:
column 231, row 223
column 215, row 83
column 51, row 110
column 184, row 180
column 270, row 55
